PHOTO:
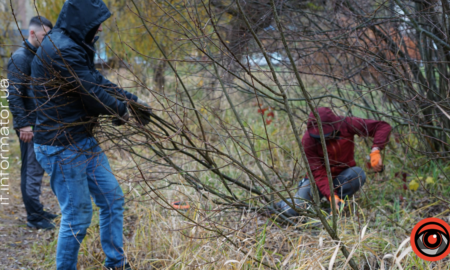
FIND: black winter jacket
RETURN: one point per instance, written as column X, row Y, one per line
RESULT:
column 70, row 92
column 20, row 98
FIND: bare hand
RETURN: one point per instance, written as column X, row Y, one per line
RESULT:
column 26, row 134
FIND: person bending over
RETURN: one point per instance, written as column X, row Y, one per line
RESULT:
column 339, row 134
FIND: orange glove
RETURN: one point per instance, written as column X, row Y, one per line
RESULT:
column 338, row 202
column 375, row 160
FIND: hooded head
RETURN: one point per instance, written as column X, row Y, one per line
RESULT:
column 80, row 19
column 330, row 123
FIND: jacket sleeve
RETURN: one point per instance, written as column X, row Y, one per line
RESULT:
column 17, row 74
column 378, row 130
column 113, row 88
column 317, row 165
column 75, row 68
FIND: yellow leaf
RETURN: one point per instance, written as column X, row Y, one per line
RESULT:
column 413, row 185
column 429, row 180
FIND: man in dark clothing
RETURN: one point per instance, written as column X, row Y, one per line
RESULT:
column 70, row 95
column 339, row 133
column 22, row 107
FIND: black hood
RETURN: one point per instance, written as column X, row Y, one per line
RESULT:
column 79, row 17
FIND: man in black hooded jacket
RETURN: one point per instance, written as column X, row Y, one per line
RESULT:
column 70, row 95
column 22, row 107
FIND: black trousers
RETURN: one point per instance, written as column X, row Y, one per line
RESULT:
column 31, row 174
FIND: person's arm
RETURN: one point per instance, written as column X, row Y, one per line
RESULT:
column 317, row 165
column 94, row 95
column 17, row 78
column 113, row 88
column 378, row 130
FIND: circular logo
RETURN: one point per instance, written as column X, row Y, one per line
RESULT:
column 430, row 239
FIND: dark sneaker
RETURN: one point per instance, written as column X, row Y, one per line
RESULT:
column 125, row 267
column 49, row 215
column 42, row 224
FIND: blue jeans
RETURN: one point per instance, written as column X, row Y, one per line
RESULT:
column 346, row 184
column 78, row 172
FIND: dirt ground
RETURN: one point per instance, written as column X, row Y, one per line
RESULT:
column 17, row 239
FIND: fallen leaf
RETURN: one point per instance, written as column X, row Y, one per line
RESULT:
column 429, row 180
column 413, row 185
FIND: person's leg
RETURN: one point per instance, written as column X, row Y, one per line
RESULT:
column 349, row 181
column 30, row 185
column 303, row 193
column 108, row 196
column 67, row 170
